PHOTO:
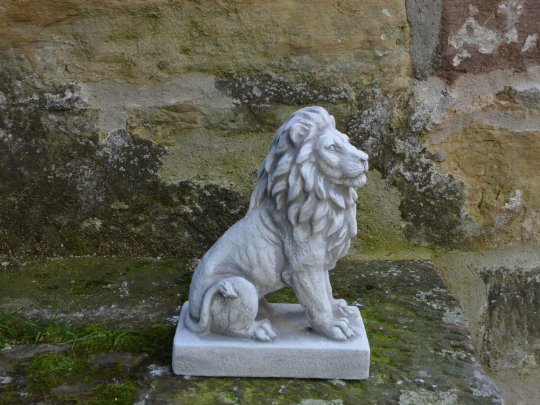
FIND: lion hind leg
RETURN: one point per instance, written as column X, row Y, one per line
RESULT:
column 264, row 331
column 235, row 308
column 207, row 317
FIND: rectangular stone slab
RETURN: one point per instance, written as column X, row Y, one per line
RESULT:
column 297, row 351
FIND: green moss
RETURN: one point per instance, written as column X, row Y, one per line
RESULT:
column 285, row 295
column 108, row 372
column 209, row 391
column 82, row 287
column 114, row 394
column 49, row 370
column 142, row 263
column 8, row 395
column 185, row 280
column 77, row 243
column 89, row 283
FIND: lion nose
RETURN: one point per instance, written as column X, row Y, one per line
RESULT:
column 362, row 157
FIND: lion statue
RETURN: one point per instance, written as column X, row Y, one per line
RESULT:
column 300, row 221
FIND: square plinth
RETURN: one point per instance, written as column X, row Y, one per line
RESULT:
column 297, row 352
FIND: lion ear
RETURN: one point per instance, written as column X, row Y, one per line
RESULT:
column 297, row 133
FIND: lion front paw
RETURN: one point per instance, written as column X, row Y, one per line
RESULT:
column 341, row 308
column 338, row 330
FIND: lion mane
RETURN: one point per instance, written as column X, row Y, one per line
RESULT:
column 291, row 182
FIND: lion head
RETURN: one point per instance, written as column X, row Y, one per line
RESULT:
column 310, row 175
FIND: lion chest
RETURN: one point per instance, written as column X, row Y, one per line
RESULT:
column 340, row 229
column 261, row 263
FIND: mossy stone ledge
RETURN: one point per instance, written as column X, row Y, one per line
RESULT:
column 421, row 347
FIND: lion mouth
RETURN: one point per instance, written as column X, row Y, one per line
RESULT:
column 356, row 181
column 360, row 180
column 354, row 172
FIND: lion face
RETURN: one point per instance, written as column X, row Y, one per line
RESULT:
column 340, row 162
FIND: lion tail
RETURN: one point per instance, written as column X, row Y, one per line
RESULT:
column 203, row 324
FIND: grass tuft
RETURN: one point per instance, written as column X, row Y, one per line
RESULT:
column 47, row 328
column 50, row 328
column 7, row 331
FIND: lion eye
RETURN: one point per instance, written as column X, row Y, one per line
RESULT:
column 332, row 148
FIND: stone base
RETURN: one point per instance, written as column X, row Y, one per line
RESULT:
column 297, row 352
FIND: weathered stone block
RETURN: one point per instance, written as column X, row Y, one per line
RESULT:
column 425, row 19
column 513, row 311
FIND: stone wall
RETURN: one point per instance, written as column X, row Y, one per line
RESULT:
column 125, row 124
column 136, row 127
column 443, row 96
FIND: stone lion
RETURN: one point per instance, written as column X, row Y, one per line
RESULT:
column 300, row 221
